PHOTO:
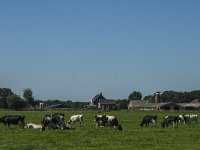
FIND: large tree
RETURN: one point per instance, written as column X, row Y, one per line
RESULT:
column 135, row 95
column 28, row 96
column 4, row 93
column 15, row 102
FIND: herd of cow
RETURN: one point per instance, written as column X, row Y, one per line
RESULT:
column 56, row 121
column 174, row 120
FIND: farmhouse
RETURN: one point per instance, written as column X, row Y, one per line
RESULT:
column 145, row 105
column 101, row 102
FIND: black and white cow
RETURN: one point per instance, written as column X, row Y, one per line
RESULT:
column 67, row 127
column 106, row 120
column 182, row 119
column 192, row 117
column 149, row 119
column 76, row 118
column 13, row 119
column 54, row 121
column 170, row 120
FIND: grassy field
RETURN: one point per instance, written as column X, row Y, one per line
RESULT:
column 185, row 137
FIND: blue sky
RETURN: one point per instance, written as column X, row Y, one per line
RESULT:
column 74, row 49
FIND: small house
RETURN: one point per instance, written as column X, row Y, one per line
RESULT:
column 102, row 103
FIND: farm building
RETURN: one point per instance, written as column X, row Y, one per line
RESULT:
column 194, row 105
column 102, row 103
column 145, row 105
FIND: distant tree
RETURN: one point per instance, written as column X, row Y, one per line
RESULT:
column 4, row 93
column 135, row 95
column 122, row 104
column 15, row 102
column 150, row 98
column 28, row 96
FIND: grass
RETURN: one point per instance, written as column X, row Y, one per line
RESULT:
column 87, row 137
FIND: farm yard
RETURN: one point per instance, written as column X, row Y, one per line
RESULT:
column 88, row 137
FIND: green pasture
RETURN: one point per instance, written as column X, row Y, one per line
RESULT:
column 87, row 137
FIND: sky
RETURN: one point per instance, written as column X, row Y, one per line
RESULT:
column 75, row 49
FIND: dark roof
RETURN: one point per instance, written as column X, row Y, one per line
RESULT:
column 97, row 97
column 108, row 102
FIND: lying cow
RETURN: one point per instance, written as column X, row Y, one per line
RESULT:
column 67, row 127
column 13, row 119
column 105, row 120
column 170, row 120
column 33, row 126
column 149, row 119
column 76, row 118
column 54, row 121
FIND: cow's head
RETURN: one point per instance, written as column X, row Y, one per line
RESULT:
column 119, row 127
column 163, row 125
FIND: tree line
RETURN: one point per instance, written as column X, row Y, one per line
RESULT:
column 168, row 96
column 10, row 100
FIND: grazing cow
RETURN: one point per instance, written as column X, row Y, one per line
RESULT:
column 105, row 120
column 13, row 119
column 76, row 118
column 191, row 118
column 149, row 119
column 170, row 120
column 54, row 121
column 33, row 126
column 182, row 119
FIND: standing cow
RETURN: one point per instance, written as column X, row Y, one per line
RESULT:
column 13, row 119
column 54, row 121
column 170, row 120
column 149, row 119
column 76, row 118
column 192, row 117
column 106, row 120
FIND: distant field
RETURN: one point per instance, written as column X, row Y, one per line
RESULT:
column 184, row 137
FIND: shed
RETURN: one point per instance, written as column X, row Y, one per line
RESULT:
column 145, row 105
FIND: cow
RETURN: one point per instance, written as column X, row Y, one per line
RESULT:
column 54, row 121
column 149, row 119
column 13, row 119
column 182, row 119
column 76, row 118
column 67, row 127
column 170, row 120
column 33, row 126
column 191, row 118
column 106, row 120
